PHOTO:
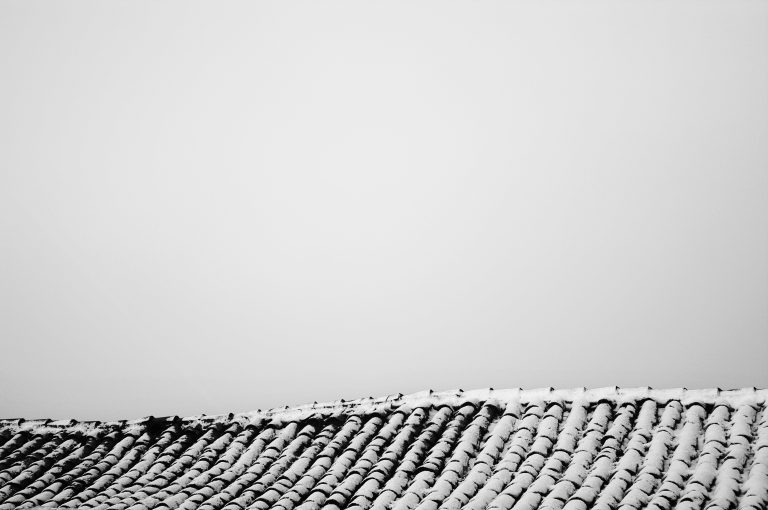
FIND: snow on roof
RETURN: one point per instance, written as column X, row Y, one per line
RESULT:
column 609, row 448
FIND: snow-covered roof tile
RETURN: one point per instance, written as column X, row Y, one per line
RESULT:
column 609, row 448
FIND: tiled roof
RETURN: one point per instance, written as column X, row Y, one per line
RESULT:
column 505, row 449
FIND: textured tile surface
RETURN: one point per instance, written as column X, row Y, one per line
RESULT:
column 509, row 449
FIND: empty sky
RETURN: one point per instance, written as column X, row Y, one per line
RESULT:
column 224, row 206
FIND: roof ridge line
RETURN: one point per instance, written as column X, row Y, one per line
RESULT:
column 733, row 397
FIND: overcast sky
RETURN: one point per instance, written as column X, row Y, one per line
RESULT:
column 225, row 206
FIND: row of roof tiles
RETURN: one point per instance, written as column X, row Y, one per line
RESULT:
column 474, row 451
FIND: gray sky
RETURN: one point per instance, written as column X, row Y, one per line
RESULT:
column 224, row 206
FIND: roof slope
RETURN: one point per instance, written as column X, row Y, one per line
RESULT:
column 481, row 450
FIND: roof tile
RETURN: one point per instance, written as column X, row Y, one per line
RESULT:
column 608, row 449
